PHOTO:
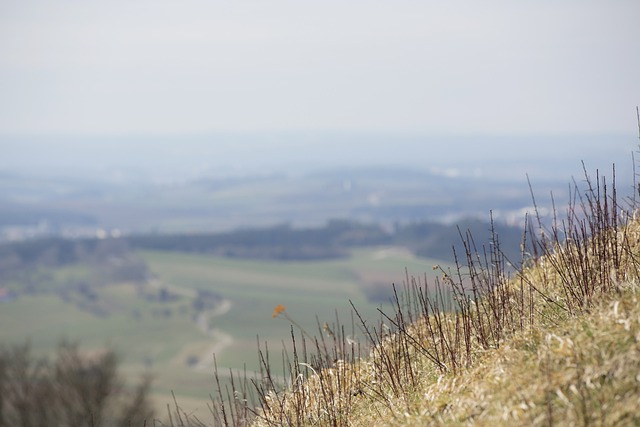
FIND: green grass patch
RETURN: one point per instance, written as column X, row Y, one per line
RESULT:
column 163, row 337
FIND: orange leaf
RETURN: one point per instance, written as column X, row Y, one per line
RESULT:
column 279, row 309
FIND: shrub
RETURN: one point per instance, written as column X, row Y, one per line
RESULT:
column 74, row 390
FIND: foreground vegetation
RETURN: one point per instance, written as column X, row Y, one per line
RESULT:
column 76, row 389
column 556, row 342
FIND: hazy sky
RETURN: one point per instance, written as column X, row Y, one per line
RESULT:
column 158, row 66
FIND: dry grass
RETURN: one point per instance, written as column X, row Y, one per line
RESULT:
column 582, row 371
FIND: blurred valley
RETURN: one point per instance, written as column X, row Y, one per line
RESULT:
column 169, row 262
column 53, row 206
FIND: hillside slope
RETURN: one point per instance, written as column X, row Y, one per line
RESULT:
column 557, row 343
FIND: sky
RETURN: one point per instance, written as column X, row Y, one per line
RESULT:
column 159, row 68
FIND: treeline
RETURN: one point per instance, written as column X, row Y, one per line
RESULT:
column 282, row 242
column 111, row 258
column 435, row 240
column 427, row 239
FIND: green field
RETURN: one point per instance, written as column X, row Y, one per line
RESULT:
column 175, row 342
